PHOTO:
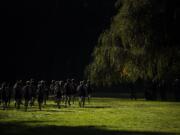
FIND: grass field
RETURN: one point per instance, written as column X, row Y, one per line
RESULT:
column 102, row 116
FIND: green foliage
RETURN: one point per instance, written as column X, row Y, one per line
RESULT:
column 135, row 46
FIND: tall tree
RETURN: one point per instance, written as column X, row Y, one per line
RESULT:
column 138, row 44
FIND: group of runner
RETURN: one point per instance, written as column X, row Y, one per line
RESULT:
column 27, row 93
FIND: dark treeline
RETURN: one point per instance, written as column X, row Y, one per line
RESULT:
column 140, row 89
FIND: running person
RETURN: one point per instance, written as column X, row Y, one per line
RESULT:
column 4, row 95
column 67, row 88
column 33, row 91
column 18, row 94
column 88, row 90
column 58, row 93
column 73, row 90
column 40, row 93
column 46, row 92
column 82, row 93
column 27, row 94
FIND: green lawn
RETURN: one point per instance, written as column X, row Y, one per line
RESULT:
column 101, row 116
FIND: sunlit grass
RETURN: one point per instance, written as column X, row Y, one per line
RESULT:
column 110, row 114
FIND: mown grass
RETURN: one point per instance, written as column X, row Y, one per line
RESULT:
column 101, row 116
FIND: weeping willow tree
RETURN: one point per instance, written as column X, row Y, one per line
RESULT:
column 137, row 45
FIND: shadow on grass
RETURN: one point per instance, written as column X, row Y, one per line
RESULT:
column 21, row 128
column 98, row 107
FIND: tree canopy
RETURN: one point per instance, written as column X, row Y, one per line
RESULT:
column 139, row 44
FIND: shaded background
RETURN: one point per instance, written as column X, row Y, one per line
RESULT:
column 50, row 39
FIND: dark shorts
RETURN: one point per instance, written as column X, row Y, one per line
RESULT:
column 27, row 98
column 68, row 94
column 58, row 98
column 82, row 96
column 5, row 99
column 33, row 95
column 40, row 99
